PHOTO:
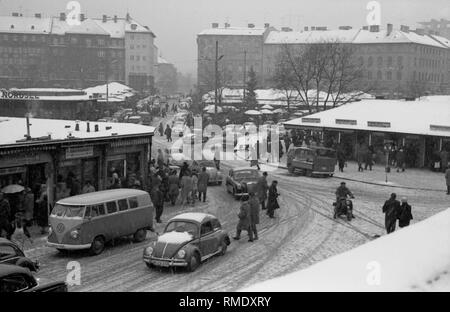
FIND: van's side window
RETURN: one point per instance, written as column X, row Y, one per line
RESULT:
column 133, row 202
column 97, row 210
column 111, row 207
column 123, row 205
column 88, row 213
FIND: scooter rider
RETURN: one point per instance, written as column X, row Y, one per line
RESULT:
column 341, row 193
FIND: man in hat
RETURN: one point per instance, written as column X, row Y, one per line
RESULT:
column 391, row 210
column 405, row 215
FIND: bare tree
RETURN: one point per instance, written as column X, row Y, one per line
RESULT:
column 417, row 89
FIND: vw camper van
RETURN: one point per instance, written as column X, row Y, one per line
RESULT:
column 89, row 221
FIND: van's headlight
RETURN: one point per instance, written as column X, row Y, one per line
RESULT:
column 148, row 251
column 181, row 254
column 74, row 234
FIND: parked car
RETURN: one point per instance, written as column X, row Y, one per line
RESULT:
column 10, row 253
column 215, row 176
column 90, row 220
column 178, row 129
column 312, row 161
column 188, row 240
column 16, row 279
column 241, row 181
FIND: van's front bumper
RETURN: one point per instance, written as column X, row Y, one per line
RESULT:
column 68, row 247
column 165, row 262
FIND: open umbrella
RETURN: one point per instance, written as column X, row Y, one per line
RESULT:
column 12, row 189
column 266, row 112
column 267, row 107
column 253, row 113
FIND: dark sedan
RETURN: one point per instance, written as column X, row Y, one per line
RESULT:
column 241, row 181
column 10, row 253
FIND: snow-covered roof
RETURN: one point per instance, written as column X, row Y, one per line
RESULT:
column 25, row 25
column 13, row 129
column 114, row 88
column 442, row 40
column 194, row 216
column 428, row 116
column 295, row 37
column 233, row 31
column 416, row 258
column 162, row 60
column 115, row 29
column 88, row 26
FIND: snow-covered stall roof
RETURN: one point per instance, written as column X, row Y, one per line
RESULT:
column 14, row 129
column 416, row 258
column 428, row 116
column 114, row 89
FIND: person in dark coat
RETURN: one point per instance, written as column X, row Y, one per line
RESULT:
column 157, row 197
column 184, row 169
column 168, row 133
column 391, row 210
column 161, row 129
column 5, row 214
column 369, row 158
column 28, row 208
column 405, row 215
column 203, row 180
column 261, row 189
column 341, row 158
column 244, row 223
column 444, row 160
column 447, row 180
column 360, row 156
column 42, row 210
column 272, row 203
column 400, row 157
column 254, row 214
column 174, row 187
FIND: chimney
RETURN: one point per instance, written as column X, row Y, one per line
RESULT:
column 115, row 18
column 15, row 14
column 251, row 25
column 133, row 26
column 420, row 31
column 404, row 28
column 215, row 25
column 227, row 25
column 62, row 16
column 266, row 25
column 128, row 18
column 306, row 28
column 345, row 27
column 322, row 28
column 365, row 28
column 313, row 28
column 105, row 18
column 77, row 125
column 82, row 17
column 96, row 128
column 286, row 29
column 374, row 28
column 390, row 28
column 88, row 127
column 38, row 15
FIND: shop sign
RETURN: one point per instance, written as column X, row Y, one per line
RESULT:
column 28, row 159
column 13, row 170
column 311, row 120
column 4, row 94
column 79, row 152
column 439, row 128
column 378, row 124
column 350, row 122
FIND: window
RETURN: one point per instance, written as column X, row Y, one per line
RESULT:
column 95, row 211
column 133, row 201
column 111, row 207
column 389, row 75
column 216, row 224
column 123, row 205
column 370, row 61
column 380, row 61
column 13, row 283
column 399, row 75
column 369, row 75
column 101, row 53
column 206, row 228
column 101, row 42
column 389, row 61
column 6, row 252
column 379, row 75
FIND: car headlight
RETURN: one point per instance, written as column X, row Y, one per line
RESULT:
column 239, row 186
column 148, row 251
column 181, row 254
column 74, row 234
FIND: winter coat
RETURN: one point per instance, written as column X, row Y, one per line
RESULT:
column 404, row 215
column 244, row 217
column 261, row 188
column 203, row 180
column 168, row 132
column 272, row 203
column 28, row 206
column 157, row 197
column 447, row 176
column 444, row 159
column 254, row 210
column 174, row 185
column 186, row 186
column 5, row 210
column 391, row 209
column 194, row 183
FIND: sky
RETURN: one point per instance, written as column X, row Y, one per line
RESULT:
column 176, row 23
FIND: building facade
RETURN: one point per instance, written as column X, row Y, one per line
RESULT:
column 393, row 61
column 48, row 52
column 167, row 80
column 439, row 27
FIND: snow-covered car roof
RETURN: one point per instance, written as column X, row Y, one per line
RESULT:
column 198, row 217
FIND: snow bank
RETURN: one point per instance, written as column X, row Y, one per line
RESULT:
column 411, row 259
column 175, row 238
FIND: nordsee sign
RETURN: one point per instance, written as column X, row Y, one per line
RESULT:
column 4, row 94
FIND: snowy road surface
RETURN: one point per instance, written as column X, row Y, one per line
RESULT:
column 302, row 234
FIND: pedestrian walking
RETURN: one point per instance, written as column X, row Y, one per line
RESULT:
column 28, row 209
column 244, row 221
column 447, row 180
column 160, row 160
column 400, row 158
column 391, row 210
column 88, row 188
column 360, row 155
column 186, row 188
column 42, row 209
column 157, row 197
column 5, row 216
column 341, row 158
column 203, row 180
column 161, row 129
column 254, row 214
column 174, row 187
column 272, row 203
column 262, row 187
column 369, row 158
column 444, row 160
column 404, row 215
column 168, row 133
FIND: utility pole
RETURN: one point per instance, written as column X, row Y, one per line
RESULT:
column 245, row 74
column 216, row 74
